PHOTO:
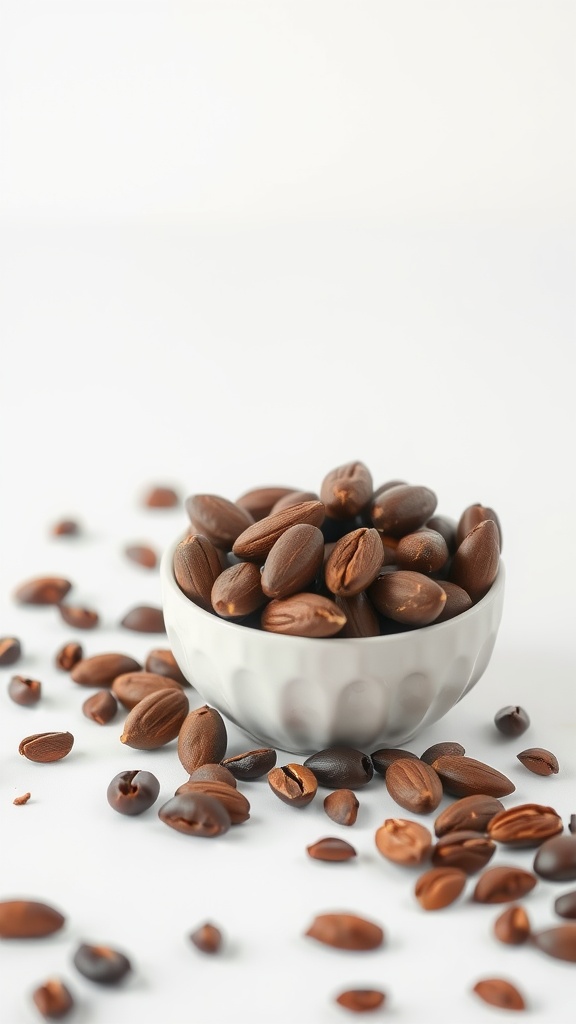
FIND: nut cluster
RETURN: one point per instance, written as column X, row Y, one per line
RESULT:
column 350, row 561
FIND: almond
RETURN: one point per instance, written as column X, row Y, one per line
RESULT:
column 155, row 720
column 402, row 509
column 303, row 615
column 132, row 687
column 233, row 800
column 354, row 562
column 414, row 785
column 475, row 564
column 238, row 591
column 260, row 501
column 463, row 776
column 256, row 542
column 45, row 747
column 216, row 518
column 346, row 490
column 408, row 597
column 196, row 566
column 102, row 669
column 293, row 561
column 202, row 738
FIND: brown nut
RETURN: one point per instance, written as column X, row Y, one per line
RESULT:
column 294, row 784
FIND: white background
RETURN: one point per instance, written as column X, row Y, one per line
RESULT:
column 243, row 243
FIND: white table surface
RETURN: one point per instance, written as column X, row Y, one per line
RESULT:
column 264, row 329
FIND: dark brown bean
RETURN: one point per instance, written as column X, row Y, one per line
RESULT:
column 346, row 931
column 423, row 551
column 28, row 919
column 24, row 691
column 252, row 764
column 256, row 542
column 293, row 784
column 340, row 767
column 565, row 905
column 144, row 618
column 467, row 850
column 499, row 992
column 68, row 656
column 342, row 806
column 559, row 942
column 361, row 617
column 331, row 849
column 446, row 526
column 196, row 815
column 457, row 601
column 207, row 938
column 132, row 687
column 414, row 785
column 236, row 804
column 572, row 824
column 42, row 590
column 141, row 554
column 439, row 887
column 404, row 842
column 78, row 618
column 45, row 747
column 473, row 516
column 101, row 964
column 10, row 650
column 407, row 597
column 556, row 859
column 53, row 999
column 512, row 926
column 383, row 758
column 202, row 739
column 503, row 884
column 133, row 792
column 512, row 720
column 463, row 776
column 293, row 498
column 101, row 707
column 218, row 519
column 402, row 509
column 213, row 773
column 347, row 490
column 441, row 750
column 475, row 564
column 293, row 561
column 471, row 812
column 539, row 761
column 354, row 562
column 260, row 501
column 102, row 669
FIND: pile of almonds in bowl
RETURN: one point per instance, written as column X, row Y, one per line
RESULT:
column 353, row 560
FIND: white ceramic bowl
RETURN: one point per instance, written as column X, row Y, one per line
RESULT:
column 301, row 694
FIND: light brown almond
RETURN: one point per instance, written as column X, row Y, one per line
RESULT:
column 238, row 591
column 155, row 720
column 202, row 738
column 525, row 825
column 42, row 590
column 414, row 785
column 216, row 518
column 102, row 669
column 256, row 542
column 45, row 747
column 196, row 567
column 346, row 931
column 503, row 884
column 404, row 842
column 131, row 687
column 439, row 887
column 28, row 919
column 463, row 776
column 303, row 615
column 499, row 992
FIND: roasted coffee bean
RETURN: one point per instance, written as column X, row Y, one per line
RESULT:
column 78, row 618
column 161, row 662
column 65, row 528
column 161, row 497
column 525, row 825
column 441, row 750
column 252, row 764
column 439, row 887
column 565, row 906
column 304, row 614
column 556, row 859
column 202, row 739
column 27, row 919
column 101, row 707
column 559, row 942
column 102, row 669
column 43, row 590
column 469, row 851
column 231, row 798
column 256, row 542
column 293, row 561
column 101, row 964
column 237, row 591
column 213, row 773
column 293, row 498
column 476, row 561
column 383, row 758
column 473, row 516
column 457, row 601
column 45, row 747
column 354, row 562
column 10, row 650
column 331, row 849
column 361, row 617
column 503, row 884
column 133, row 792
column 414, row 785
column 142, row 554
column 68, row 656
column 463, row 776
column 404, row 842
column 20, row 800
column 218, row 519
column 155, row 720
column 346, row 490
column 446, row 527
column 207, row 938
column 402, row 509
column 53, row 999
column 197, row 566
column 539, row 761
column 511, row 720
column 346, row 931
column 512, row 926
column 361, row 1000
column 260, row 501
column 342, row 806
column 144, row 618
column 132, row 687
column 294, row 784
column 499, row 992
column 340, row 767
column 196, row 815
column 471, row 813
column 24, row 691
column 423, row 551
column 407, row 597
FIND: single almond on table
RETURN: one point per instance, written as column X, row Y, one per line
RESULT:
column 155, row 720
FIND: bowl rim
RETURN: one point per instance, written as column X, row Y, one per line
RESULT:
column 168, row 579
